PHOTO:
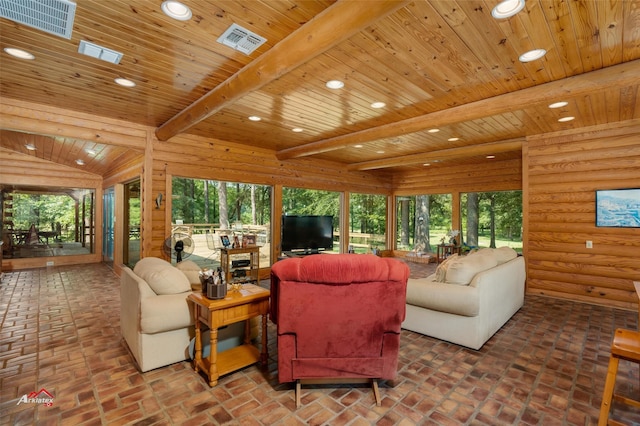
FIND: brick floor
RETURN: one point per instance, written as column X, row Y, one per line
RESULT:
column 60, row 332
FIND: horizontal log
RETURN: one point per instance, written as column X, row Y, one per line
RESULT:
column 604, row 239
column 583, row 299
column 582, row 186
column 41, row 262
column 617, row 268
column 622, row 287
column 591, row 177
column 576, row 290
column 623, row 233
column 601, row 131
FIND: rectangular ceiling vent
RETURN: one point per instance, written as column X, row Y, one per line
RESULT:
column 99, row 52
column 52, row 16
column 241, row 39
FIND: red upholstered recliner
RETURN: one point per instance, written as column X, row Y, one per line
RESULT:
column 338, row 318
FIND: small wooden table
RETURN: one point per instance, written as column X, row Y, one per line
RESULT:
column 446, row 250
column 240, row 305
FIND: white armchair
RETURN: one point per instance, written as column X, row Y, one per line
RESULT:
column 155, row 318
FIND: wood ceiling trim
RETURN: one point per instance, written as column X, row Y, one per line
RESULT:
column 615, row 76
column 334, row 25
column 443, row 154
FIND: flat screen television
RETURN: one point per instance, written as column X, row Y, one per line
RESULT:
column 618, row 208
column 308, row 234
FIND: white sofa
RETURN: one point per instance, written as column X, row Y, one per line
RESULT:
column 155, row 318
column 469, row 297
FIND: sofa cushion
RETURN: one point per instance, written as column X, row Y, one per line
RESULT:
column 192, row 271
column 161, row 276
column 441, row 270
column 462, row 269
column 453, row 299
column 504, row 254
column 165, row 312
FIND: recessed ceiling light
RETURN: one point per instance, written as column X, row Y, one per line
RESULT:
column 378, row 105
column 176, row 10
column 335, row 84
column 124, row 82
column 380, row 152
column 558, row 104
column 357, row 146
column 297, row 130
column 453, row 139
column 532, row 55
column 80, row 162
column 427, row 164
column 254, row 118
column 30, row 147
column 507, row 9
column 90, row 151
column 19, row 53
column 433, row 130
column 565, row 119
column 491, row 156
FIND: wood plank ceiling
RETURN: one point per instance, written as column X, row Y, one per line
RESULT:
column 445, row 65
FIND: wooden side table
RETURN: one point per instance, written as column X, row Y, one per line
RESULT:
column 446, row 250
column 240, row 305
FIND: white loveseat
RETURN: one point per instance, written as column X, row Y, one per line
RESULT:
column 469, row 297
column 155, row 318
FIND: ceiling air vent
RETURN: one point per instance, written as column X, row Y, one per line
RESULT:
column 51, row 16
column 241, row 39
column 99, row 52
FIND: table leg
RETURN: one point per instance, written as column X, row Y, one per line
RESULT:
column 247, row 332
column 264, row 353
column 198, row 355
column 213, row 356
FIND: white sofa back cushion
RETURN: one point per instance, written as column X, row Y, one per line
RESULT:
column 504, row 254
column 462, row 269
column 192, row 272
column 161, row 276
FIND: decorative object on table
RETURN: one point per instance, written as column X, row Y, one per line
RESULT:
column 213, row 283
column 236, row 242
column 248, row 240
column 453, row 235
column 225, row 241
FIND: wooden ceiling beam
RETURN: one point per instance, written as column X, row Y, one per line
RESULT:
column 615, row 76
column 443, row 154
column 334, row 25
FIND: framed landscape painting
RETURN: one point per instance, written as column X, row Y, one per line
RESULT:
column 618, row 208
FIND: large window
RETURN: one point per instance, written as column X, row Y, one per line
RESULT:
column 42, row 222
column 367, row 222
column 492, row 219
column 202, row 210
column 303, row 202
column 422, row 221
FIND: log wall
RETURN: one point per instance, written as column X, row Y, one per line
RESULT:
column 488, row 175
column 562, row 171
